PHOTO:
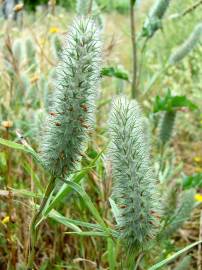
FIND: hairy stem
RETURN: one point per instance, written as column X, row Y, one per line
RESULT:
column 134, row 49
column 33, row 229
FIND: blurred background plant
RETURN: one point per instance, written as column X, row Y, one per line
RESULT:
column 29, row 52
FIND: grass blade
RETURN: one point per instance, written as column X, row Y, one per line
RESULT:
column 111, row 253
column 20, row 147
column 174, row 256
column 66, row 189
column 114, row 208
column 90, row 233
column 65, row 221
column 88, row 202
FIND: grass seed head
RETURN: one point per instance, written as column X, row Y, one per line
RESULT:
column 76, row 87
column 156, row 13
column 187, row 46
column 134, row 185
column 166, row 126
column 181, row 214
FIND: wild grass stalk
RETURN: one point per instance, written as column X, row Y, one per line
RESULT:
column 134, row 49
column 72, row 110
column 188, row 45
column 135, row 188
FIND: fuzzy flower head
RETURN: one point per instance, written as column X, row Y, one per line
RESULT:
column 188, row 45
column 134, row 185
column 156, row 13
column 71, row 113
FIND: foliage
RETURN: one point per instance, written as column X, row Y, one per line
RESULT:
column 76, row 217
column 116, row 72
column 169, row 103
column 156, row 13
column 192, row 181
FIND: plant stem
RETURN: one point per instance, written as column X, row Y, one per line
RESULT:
column 52, row 4
column 33, row 229
column 134, row 49
column 199, row 259
column 192, row 8
column 141, row 255
column 90, row 6
column 10, row 231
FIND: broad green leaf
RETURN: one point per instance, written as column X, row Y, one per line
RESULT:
column 174, row 256
column 170, row 103
column 192, row 181
column 183, row 101
column 116, row 72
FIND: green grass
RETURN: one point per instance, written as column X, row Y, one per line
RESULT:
column 77, row 228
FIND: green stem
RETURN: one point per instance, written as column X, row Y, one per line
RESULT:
column 141, row 255
column 191, row 8
column 33, row 229
column 134, row 49
column 90, row 7
column 161, row 159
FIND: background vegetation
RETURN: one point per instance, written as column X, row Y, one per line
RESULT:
column 29, row 52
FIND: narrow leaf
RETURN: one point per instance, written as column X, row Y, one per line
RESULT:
column 114, row 208
column 65, row 221
column 20, row 147
column 90, row 233
column 111, row 253
column 88, row 202
column 66, row 189
column 174, row 256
